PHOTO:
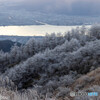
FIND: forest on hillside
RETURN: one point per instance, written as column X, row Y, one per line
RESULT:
column 40, row 70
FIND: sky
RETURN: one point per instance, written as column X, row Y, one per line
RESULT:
column 69, row 7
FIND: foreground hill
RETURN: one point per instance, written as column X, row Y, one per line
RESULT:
column 87, row 83
column 53, row 67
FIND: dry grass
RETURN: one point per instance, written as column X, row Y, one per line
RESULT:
column 27, row 95
column 87, row 81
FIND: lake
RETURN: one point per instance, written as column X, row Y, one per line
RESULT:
column 35, row 30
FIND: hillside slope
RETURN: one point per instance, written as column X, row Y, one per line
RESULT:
column 54, row 66
column 88, row 80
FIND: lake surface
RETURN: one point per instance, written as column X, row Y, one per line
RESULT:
column 35, row 30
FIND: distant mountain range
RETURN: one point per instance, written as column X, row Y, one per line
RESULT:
column 20, row 39
column 6, row 42
column 6, row 45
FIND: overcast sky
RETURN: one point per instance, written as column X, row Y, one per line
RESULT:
column 73, row 7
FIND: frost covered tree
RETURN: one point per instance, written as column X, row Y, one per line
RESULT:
column 95, row 31
column 55, row 61
column 30, row 47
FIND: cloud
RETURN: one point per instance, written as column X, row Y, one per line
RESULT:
column 81, row 7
